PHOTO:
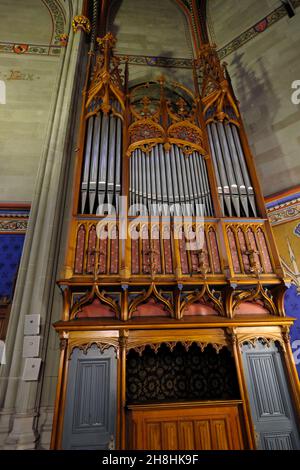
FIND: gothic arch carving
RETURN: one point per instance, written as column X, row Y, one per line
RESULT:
column 153, row 293
column 88, row 299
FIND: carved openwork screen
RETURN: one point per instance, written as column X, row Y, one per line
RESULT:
column 181, row 373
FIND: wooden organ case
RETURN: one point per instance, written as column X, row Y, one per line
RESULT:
column 173, row 318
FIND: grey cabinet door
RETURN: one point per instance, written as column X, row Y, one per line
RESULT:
column 271, row 406
column 91, row 401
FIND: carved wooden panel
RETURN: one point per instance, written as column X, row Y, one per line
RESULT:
column 152, row 249
column 249, row 248
column 185, row 427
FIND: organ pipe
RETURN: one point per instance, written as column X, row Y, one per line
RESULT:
column 169, row 177
column 234, row 186
column 101, row 178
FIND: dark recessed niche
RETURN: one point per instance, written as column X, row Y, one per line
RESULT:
column 169, row 375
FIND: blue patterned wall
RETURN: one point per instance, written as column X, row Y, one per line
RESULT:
column 292, row 307
column 11, row 246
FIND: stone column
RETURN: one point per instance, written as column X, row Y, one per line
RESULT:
column 37, row 273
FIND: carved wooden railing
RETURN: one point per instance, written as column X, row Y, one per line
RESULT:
column 249, row 250
column 170, row 252
column 151, row 249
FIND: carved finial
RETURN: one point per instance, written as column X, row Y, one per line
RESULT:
column 161, row 80
column 107, row 41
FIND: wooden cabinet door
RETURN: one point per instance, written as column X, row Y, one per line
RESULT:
column 91, row 401
column 271, row 406
column 182, row 427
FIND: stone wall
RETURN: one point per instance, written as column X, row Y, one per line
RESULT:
column 29, row 62
column 262, row 72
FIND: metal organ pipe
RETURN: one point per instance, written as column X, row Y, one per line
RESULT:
column 163, row 177
column 244, row 168
column 227, row 159
column 189, row 162
column 170, row 177
column 119, row 151
column 158, row 179
column 169, row 181
column 198, row 197
column 237, row 169
column 175, row 182
column 232, row 175
column 87, row 162
column 187, row 210
column 101, row 179
column 153, row 183
column 142, row 156
column 217, row 173
column 111, row 160
column 221, row 164
column 179, row 177
column 103, row 160
column 94, row 162
column 202, row 185
column 148, row 178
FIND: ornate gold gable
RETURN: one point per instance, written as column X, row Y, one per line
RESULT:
column 107, row 82
column 164, row 120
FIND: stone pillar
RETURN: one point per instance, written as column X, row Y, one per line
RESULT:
column 19, row 400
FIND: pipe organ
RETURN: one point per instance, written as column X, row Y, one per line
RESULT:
column 171, row 259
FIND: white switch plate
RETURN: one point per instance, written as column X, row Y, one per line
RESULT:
column 31, row 346
column 32, row 369
column 32, row 324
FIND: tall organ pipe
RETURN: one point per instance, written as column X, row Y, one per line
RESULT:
column 237, row 168
column 221, row 168
column 227, row 159
column 233, row 180
column 158, row 179
column 111, row 160
column 102, row 163
column 87, row 162
column 207, row 188
column 169, row 177
column 175, row 182
column 217, row 173
column 94, row 162
column 244, row 168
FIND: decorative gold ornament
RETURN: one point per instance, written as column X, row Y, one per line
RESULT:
column 81, row 22
column 255, row 267
column 106, row 85
column 64, row 39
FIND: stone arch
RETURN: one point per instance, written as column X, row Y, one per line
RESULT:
column 168, row 42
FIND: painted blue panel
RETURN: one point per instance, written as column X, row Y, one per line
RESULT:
column 271, row 405
column 11, row 246
column 91, row 401
column 292, row 308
